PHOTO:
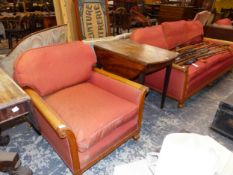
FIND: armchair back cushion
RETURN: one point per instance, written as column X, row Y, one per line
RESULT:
column 74, row 68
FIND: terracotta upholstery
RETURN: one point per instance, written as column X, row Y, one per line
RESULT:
column 150, row 35
column 99, row 109
column 224, row 21
column 186, row 80
column 77, row 69
column 92, row 126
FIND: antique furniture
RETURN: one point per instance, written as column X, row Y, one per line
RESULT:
column 120, row 20
column 151, row 9
column 10, row 163
column 14, row 102
column 205, row 61
column 16, row 27
column 174, row 13
column 203, row 17
column 83, row 112
column 132, row 60
column 223, row 121
column 219, row 32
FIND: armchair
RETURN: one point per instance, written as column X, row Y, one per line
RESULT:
column 83, row 112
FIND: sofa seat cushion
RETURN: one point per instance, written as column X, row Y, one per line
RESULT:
column 91, row 120
column 150, row 35
column 73, row 68
column 209, row 75
column 208, row 63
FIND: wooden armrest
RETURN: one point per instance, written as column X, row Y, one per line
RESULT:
column 49, row 114
column 123, row 80
column 181, row 68
column 218, row 40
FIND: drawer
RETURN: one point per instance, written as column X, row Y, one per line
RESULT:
column 13, row 111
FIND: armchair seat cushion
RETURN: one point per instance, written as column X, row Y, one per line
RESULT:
column 91, row 112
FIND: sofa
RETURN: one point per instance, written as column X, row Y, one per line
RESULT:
column 185, row 79
column 84, row 112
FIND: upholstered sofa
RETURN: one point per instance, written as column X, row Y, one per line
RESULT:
column 187, row 79
column 83, row 112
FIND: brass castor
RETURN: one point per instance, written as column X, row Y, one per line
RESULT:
column 180, row 105
column 136, row 136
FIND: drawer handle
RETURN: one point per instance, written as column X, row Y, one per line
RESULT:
column 15, row 109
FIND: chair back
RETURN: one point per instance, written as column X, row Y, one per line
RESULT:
column 203, row 17
column 52, row 68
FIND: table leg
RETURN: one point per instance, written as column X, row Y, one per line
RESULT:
column 10, row 43
column 141, row 78
column 165, row 84
column 4, row 140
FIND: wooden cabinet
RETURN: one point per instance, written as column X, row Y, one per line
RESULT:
column 175, row 13
column 14, row 102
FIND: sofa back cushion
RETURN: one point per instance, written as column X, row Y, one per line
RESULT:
column 224, row 21
column 49, row 69
column 150, row 35
column 179, row 32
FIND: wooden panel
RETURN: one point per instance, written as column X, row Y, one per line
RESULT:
column 13, row 100
column 10, row 92
column 174, row 13
column 222, row 33
column 14, row 111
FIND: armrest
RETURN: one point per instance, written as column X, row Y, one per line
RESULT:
column 49, row 114
column 181, row 68
column 219, row 41
column 119, row 86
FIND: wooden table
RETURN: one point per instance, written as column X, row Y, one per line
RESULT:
column 14, row 102
column 133, row 61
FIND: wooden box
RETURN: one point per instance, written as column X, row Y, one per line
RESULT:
column 223, row 121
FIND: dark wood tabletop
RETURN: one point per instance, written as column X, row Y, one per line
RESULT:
column 129, row 59
column 143, row 53
column 133, row 60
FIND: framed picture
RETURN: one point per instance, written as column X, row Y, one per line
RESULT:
column 92, row 18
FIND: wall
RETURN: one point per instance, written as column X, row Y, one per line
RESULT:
column 223, row 4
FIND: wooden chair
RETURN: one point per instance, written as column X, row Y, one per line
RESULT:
column 121, row 20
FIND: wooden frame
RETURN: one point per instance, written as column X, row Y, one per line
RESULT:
column 184, row 70
column 58, row 125
column 92, row 18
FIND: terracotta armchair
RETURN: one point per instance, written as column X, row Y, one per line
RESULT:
column 83, row 112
